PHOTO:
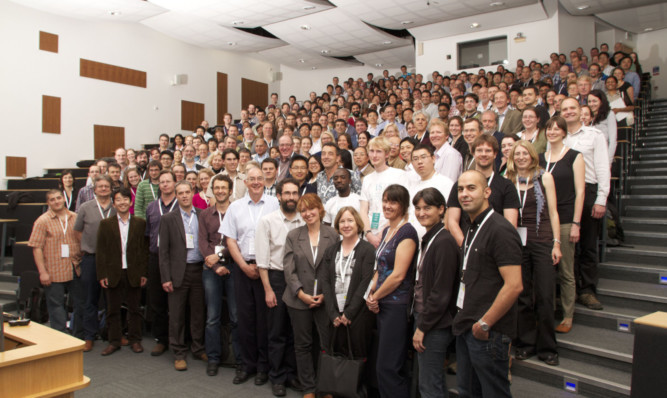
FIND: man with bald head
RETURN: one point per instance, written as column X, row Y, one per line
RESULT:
column 286, row 148
column 488, row 292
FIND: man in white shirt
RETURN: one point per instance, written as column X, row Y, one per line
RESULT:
column 423, row 161
column 315, row 133
column 593, row 146
column 373, row 187
column 342, row 180
column 448, row 161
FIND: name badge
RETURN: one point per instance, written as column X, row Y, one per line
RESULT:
column 158, row 241
column 462, row 295
column 341, row 298
column 523, row 233
column 375, row 221
column 189, row 241
column 64, row 250
column 251, row 246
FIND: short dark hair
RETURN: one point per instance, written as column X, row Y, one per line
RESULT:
column 427, row 147
column 473, row 96
column 399, row 194
column 281, row 184
column 122, row 191
column 270, row 160
column 168, row 153
column 222, row 177
column 486, row 139
column 163, row 172
column 296, row 158
column 228, row 151
column 431, row 197
column 531, row 87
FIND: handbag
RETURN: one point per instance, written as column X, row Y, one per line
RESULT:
column 341, row 375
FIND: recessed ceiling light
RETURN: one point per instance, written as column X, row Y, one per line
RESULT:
column 239, row 22
column 115, row 13
column 314, row 67
column 378, row 65
column 309, row 8
column 325, row 51
column 302, row 60
column 386, row 43
column 305, row 27
column 497, row 4
column 648, row 29
column 231, row 43
column 585, row 6
column 406, row 22
column 474, row 25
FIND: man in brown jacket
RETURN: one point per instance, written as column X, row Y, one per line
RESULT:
column 122, row 267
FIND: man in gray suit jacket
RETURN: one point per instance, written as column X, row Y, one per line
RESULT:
column 181, row 266
column 508, row 119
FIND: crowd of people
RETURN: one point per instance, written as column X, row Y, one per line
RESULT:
column 391, row 216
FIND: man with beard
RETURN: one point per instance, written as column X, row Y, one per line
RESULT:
column 271, row 235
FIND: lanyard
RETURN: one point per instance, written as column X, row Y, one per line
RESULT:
column 488, row 184
column 384, row 243
column 67, row 202
column 549, row 160
column 64, row 226
column 99, row 207
column 343, row 269
column 317, row 248
column 190, row 217
column 170, row 209
column 422, row 255
column 532, row 141
column 143, row 175
column 470, row 164
column 150, row 184
column 525, row 194
column 466, row 247
column 252, row 216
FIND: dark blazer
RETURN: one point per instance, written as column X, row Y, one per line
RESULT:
column 173, row 252
column 108, row 259
column 362, row 274
column 512, row 123
column 300, row 271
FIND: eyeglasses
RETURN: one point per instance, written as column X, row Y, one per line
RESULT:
column 255, row 179
column 422, row 158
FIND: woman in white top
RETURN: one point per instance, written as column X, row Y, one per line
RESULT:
column 604, row 119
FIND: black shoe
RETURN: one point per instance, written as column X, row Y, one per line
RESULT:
column 261, row 378
column 238, row 370
column 523, row 354
column 278, row 390
column 241, row 377
column 295, row 385
column 551, row 360
column 212, row 369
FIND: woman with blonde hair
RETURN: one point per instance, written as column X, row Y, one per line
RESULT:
column 539, row 228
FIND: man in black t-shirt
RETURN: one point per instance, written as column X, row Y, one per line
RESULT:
column 488, row 292
column 504, row 199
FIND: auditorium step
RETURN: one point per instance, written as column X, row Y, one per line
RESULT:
column 638, row 254
column 647, row 189
column 644, row 224
column 646, row 211
column 610, row 318
column 632, row 271
column 637, row 295
column 645, row 200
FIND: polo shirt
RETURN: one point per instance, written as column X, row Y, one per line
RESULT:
column 496, row 244
column 88, row 222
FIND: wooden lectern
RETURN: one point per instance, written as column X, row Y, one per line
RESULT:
column 648, row 362
column 40, row 362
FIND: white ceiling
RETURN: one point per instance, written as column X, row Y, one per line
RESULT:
column 309, row 33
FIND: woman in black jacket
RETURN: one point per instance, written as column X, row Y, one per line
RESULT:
column 347, row 272
column 436, row 289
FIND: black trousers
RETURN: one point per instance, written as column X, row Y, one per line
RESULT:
column 282, row 359
column 586, row 257
column 251, row 313
column 158, row 307
column 189, row 295
column 132, row 297
column 535, row 325
column 302, row 323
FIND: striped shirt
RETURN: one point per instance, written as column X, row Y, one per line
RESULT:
column 47, row 234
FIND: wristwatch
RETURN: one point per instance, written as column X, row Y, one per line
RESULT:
column 577, row 223
column 485, row 326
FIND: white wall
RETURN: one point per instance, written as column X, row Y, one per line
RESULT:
column 652, row 51
column 300, row 83
column 541, row 40
column 30, row 73
column 575, row 31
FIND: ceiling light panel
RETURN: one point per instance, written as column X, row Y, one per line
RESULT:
column 208, row 34
column 126, row 10
column 389, row 59
column 292, row 56
column 253, row 13
column 336, row 31
column 391, row 13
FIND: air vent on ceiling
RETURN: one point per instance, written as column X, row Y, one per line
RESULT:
column 258, row 31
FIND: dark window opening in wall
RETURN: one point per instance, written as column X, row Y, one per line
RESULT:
column 485, row 52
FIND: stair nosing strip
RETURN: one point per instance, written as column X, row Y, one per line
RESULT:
column 633, row 296
column 588, row 349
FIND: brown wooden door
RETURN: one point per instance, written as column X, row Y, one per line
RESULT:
column 253, row 92
column 108, row 139
column 192, row 114
column 221, row 95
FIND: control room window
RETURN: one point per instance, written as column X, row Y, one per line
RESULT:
column 485, row 52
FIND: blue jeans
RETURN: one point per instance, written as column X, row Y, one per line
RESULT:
column 432, row 381
column 91, row 288
column 55, row 304
column 215, row 286
column 483, row 366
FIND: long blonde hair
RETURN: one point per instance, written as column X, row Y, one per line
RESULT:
column 534, row 167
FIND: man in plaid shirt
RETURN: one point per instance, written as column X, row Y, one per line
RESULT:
column 57, row 254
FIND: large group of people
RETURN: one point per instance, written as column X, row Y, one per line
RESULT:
column 386, row 216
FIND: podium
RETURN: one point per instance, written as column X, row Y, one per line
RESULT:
column 650, row 350
column 40, row 362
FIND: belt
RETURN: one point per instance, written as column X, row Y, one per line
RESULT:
column 197, row 263
column 88, row 254
column 591, row 185
column 251, row 261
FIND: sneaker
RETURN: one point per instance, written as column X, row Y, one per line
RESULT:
column 590, row 301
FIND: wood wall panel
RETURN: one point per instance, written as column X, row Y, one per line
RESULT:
column 48, row 42
column 16, row 166
column 108, row 139
column 112, row 73
column 50, row 114
column 222, row 92
column 253, row 92
column 192, row 114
